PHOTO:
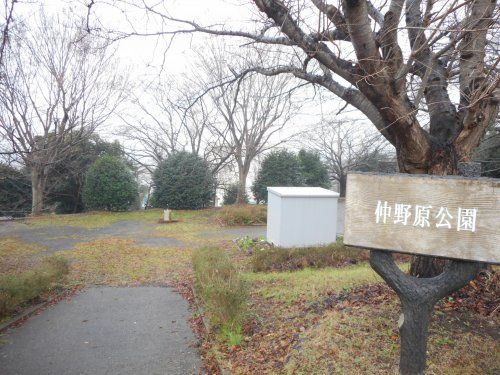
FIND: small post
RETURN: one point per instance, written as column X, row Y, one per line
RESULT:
column 166, row 215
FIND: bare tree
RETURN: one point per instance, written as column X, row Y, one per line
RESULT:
column 8, row 17
column 155, row 130
column 59, row 85
column 424, row 73
column 175, row 118
column 345, row 147
column 254, row 109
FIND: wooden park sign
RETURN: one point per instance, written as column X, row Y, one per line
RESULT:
column 452, row 217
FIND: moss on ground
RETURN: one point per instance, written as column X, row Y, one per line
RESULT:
column 19, row 289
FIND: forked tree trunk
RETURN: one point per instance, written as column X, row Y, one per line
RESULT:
column 37, row 190
column 418, row 297
column 430, row 280
column 414, row 332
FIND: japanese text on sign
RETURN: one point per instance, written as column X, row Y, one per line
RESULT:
column 425, row 216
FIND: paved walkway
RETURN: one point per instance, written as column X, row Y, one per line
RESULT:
column 106, row 330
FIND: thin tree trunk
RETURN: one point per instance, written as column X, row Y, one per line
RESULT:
column 37, row 189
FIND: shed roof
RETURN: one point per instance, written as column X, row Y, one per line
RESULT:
column 302, row 192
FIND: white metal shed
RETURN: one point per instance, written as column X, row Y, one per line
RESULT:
column 301, row 216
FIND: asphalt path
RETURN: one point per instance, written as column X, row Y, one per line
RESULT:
column 105, row 330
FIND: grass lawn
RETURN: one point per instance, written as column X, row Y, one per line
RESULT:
column 108, row 260
column 308, row 321
column 119, row 262
column 309, row 284
column 26, row 275
column 103, row 219
column 344, row 321
column 17, row 256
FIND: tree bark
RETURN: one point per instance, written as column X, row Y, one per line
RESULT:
column 444, row 161
column 414, row 331
column 342, row 184
column 426, row 266
column 242, row 185
column 37, row 189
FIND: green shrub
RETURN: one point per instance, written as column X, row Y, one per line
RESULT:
column 15, row 192
column 184, row 181
column 223, row 293
column 280, row 259
column 109, row 185
column 248, row 214
column 279, row 168
column 314, row 171
column 231, row 194
column 18, row 290
column 67, row 177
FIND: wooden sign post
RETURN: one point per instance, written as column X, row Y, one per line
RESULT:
column 451, row 217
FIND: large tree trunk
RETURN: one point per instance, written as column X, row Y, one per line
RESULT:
column 242, row 185
column 342, row 184
column 37, row 189
column 426, row 266
column 443, row 162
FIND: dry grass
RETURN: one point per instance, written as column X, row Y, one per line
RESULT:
column 20, row 289
column 222, row 291
column 309, row 284
column 365, row 340
column 286, row 336
column 102, row 219
column 94, row 219
column 17, row 256
column 279, row 259
column 247, row 214
column 114, row 261
column 355, row 334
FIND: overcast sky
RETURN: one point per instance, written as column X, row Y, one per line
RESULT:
column 148, row 59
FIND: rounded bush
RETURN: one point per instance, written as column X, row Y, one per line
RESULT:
column 109, row 185
column 314, row 171
column 279, row 168
column 183, row 181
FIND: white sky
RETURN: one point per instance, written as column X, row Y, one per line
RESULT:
column 147, row 58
